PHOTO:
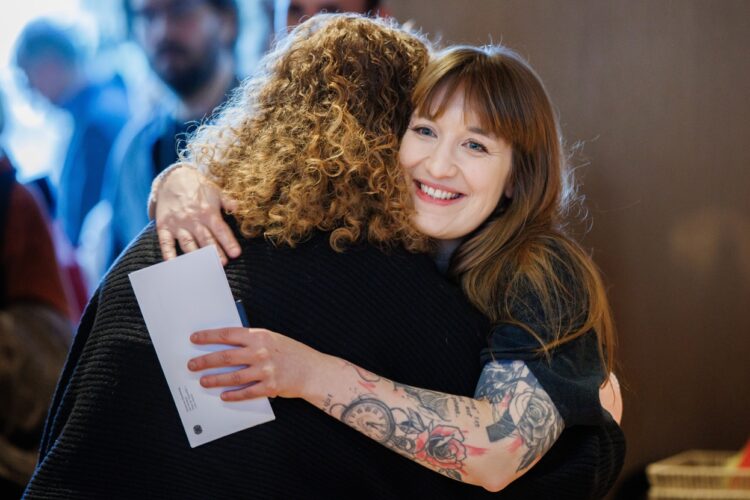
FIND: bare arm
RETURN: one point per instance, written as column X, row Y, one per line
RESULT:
column 489, row 440
column 610, row 396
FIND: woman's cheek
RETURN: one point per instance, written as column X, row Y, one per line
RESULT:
column 409, row 153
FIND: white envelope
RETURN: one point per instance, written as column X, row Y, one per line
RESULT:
column 177, row 298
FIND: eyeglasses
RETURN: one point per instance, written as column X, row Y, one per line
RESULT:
column 176, row 11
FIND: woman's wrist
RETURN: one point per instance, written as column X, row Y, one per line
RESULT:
column 322, row 377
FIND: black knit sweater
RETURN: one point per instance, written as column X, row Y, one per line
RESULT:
column 114, row 432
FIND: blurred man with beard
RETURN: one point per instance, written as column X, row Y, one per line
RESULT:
column 190, row 46
column 293, row 12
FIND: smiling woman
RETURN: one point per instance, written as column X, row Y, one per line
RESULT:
column 458, row 170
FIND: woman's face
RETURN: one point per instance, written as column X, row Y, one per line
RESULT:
column 458, row 171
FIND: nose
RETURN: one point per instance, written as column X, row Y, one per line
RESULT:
column 441, row 164
column 168, row 28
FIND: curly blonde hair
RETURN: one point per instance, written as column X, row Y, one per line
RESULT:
column 311, row 143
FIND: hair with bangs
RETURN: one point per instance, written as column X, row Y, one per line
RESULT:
column 311, row 143
column 521, row 259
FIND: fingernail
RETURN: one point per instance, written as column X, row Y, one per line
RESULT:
column 194, row 337
column 192, row 364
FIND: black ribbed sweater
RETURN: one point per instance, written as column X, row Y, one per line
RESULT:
column 114, row 432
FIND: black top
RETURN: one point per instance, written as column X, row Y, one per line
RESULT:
column 571, row 374
column 114, row 431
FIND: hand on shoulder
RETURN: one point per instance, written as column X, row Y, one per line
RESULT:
column 187, row 207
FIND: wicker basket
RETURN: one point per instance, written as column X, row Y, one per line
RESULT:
column 698, row 474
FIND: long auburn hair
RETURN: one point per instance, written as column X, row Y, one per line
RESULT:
column 521, row 258
column 311, row 143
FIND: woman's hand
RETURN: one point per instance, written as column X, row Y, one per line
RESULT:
column 273, row 364
column 188, row 209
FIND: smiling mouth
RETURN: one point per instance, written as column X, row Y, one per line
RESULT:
column 437, row 194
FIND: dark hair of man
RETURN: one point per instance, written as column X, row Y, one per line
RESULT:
column 372, row 5
column 43, row 38
column 228, row 7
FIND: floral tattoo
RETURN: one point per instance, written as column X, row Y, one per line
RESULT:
column 521, row 408
column 421, row 433
column 424, row 427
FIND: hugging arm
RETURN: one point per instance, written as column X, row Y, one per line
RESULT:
column 488, row 440
column 187, row 207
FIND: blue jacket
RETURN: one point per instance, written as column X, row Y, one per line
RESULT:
column 99, row 112
column 130, row 172
column 136, row 159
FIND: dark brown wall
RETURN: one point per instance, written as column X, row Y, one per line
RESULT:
column 659, row 92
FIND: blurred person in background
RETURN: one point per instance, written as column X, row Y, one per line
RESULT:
column 190, row 46
column 35, row 326
column 293, row 12
column 55, row 67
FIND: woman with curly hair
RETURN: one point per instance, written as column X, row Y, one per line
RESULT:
column 297, row 156
column 487, row 183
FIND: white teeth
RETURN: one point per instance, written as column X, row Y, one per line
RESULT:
column 438, row 193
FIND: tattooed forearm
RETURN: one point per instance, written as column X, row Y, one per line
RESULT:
column 418, row 429
column 522, row 409
column 410, row 433
column 487, row 440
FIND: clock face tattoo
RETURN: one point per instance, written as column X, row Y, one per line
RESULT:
column 372, row 417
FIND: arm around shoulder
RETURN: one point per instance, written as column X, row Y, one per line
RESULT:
column 187, row 207
column 489, row 440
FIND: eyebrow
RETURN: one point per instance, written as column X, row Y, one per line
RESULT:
column 479, row 130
